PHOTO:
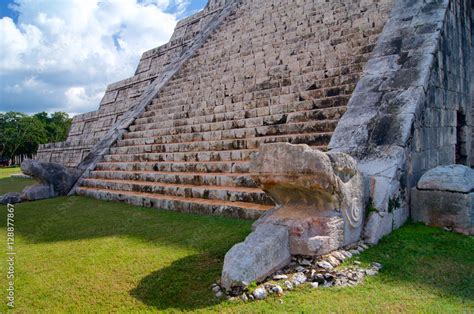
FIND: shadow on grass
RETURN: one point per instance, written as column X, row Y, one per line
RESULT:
column 77, row 218
column 184, row 285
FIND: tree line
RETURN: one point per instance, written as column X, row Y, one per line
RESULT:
column 21, row 134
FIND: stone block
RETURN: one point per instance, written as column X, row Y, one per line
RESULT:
column 444, row 197
column 378, row 225
column 263, row 252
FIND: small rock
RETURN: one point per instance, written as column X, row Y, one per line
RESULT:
column 305, row 262
column 219, row 294
column 341, row 257
column 260, row 293
column 278, row 290
column 363, row 245
column 325, row 265
column 354, row 252
column 346, row 253
column 243, row 297
column 300, row 269
column 333, row 261
column 216, row 288
column 357, row 262
column 328, row 284
column 371, row 272
column 288, row 285
column 298, row 279
column 280, row 277
column 378, row 266
column 314, row 284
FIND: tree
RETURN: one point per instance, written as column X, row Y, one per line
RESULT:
column 21, row 134
column 57, row 126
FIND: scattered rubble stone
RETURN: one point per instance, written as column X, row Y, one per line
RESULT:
column 277, row 289
column 280, row 277
column 314, row 284
column 316, row 272
column 325, row 265
column 298, row 279
column 288, row 285
column 244, row 297
column 260, row 293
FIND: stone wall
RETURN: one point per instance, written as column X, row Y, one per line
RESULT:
column 87, row 129
column 472, row 84
column 410, row 110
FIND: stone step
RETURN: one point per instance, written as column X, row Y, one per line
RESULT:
column 332, row 109
column 308, row 99
column 153, row 136
column 240, row 210
column 177, row 166
column 226, row 193
column 312, row 139
column 193, row 178
column 202, row 156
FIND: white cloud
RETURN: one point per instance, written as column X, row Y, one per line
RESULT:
column 62, row 54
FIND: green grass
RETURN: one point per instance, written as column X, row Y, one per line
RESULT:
column 8, row 171
column 76, row 254
column 8, row 184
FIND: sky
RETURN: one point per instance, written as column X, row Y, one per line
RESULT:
column 60, row 55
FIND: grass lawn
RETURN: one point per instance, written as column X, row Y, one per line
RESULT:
column 8, row 171
column 76, row 254
column 8, row 184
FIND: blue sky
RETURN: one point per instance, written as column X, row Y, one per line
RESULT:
column 59, row 55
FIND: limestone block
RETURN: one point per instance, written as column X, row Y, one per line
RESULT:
column 454, row 178
column 320, row 196
column 263, row 252
column 444, row 197
column 378, row 225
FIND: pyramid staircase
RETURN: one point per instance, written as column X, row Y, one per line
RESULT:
column 280, row 72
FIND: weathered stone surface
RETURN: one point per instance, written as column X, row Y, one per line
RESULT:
column 260, row 293
column 319, row 196
column 378, row 224
column 10, row 198
column 59, row 178
column 453, row 178
column 38, row 192
column 263, row 252
column 444, row 197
